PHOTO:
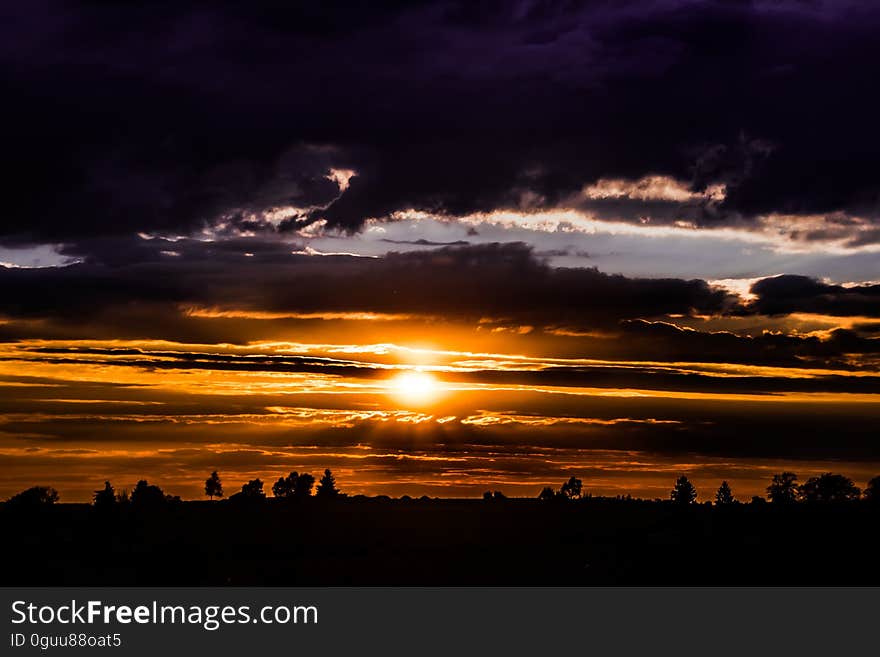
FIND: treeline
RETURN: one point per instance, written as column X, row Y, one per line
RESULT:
column 145, row 495
column 293, row 486
column 784, row 489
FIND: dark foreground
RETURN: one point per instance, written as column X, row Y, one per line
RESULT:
column 442, row 542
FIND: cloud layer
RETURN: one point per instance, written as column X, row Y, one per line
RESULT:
column 125, row 119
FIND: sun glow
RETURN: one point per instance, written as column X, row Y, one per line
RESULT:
column 417, row 388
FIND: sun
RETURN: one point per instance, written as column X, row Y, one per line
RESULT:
column 417, row 388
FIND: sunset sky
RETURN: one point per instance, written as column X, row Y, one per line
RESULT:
column 439, row 247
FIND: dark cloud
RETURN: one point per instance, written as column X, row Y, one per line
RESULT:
column 781, row 295
column 424, row 242
column 640, row 339
column 503, row 282
column 129, row 118
column 147, row 288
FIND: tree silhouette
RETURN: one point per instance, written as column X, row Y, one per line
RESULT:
column 327, row 486
column 34, row 498
column 684, row 492
column 105, row 499
column 146, row 496
column 253, row 489
column 293, row 485
column 872, row 492
column 303, row 486
column 487, row 496
column 213, row 486
column 571, row 489
column 724, row 494
column 281, row 488
column 829, row 488
column 547, row 494
column 784, row 489
column 285, row 486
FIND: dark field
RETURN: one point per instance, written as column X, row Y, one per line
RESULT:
column 442, row 542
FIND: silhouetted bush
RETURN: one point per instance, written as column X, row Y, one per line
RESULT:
column 872, row 492
column 147, row 496
column 303, row 486
column 683, row 492
column 829, row 488
column 547, row 494
column 253, row 488
column 250, row 493
column 783, row 489
column 572, row 488
column 285, row 486
column 293, row 485
column 36, row 497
